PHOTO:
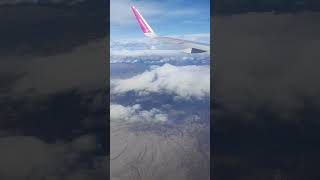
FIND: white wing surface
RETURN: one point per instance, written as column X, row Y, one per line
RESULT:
column 190, row 46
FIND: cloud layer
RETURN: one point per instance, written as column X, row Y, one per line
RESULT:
column 136, row 114
column 14, row 2
column 158, row 57
column 146, row 43
column 267, row 91
column 25, row 157
column 273, row 60
column 84, row 68
column 50, row 27
column 181, row 81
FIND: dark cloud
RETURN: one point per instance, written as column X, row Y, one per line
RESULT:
column 85, row 68
column 46, row 29
column 53, row 97
column 273, row 60
column 56, row 97
column 266, row 96
column 31, row 158
column 226, row 7
column 39, row 2
column 62, row 116
column 64, row 135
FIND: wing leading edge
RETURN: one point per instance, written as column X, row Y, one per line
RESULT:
column 192, row 47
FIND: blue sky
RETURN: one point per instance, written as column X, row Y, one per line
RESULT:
column 166, row 17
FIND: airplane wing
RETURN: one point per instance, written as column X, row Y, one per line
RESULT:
column 191, row 46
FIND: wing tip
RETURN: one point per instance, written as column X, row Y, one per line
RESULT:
column 145, row 27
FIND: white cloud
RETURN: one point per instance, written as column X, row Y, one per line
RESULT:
column 132, row 43
column 146, row 43
column 182, row 81
column 145, row 52
column 136, row 114
column 158, row 57
column 154, row 52
column 201, row 37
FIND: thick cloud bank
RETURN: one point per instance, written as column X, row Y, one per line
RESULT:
column 155, row 56
column 154, row 52
column 182, row 81
column 31, row 158
column 135, row 113
column 83, row 68
column 13, row 2
column 277, row 65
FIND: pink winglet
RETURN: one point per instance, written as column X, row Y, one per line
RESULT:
column 143, row 25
